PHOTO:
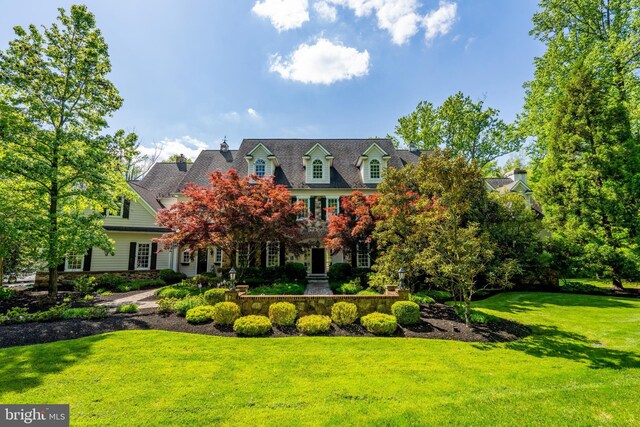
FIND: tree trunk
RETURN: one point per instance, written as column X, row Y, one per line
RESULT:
column 616, row 280
column 1, row 270
column 467, row 308
column 53, row 282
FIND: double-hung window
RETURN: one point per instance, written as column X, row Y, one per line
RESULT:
column 143, row 256
column 186, row 257
column 261, row 168
column 333, row 205
column 273, row 254
column 305, row 213
column 374, row 169
column 317, row 169
column 363, row 259
column 73, row 262
column 217, row 257
column 117, row 211
column 242, row 254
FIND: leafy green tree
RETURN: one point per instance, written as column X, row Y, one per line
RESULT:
column 602, row 35
column 438, row 221
column 55, row 98
column 462, row 126
column 590, row 176
column 175, row 157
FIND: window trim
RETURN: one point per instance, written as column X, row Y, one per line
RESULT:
column 379, row 171
column 336, row 211
column 314, row 163
column 273, row 259
column 306, row 213
column 135, row 265
column 260, row 162
column 238, row 247
column 76, row 256
column 188, row 260
column 120, row 201
column 217, row 255
column 364, row 252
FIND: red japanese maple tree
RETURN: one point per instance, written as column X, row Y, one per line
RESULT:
column 233, row 210
column 354, row 224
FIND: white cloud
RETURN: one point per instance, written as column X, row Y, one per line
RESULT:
column 470, row 41
column 326, row 11
column 322, row 63
column 253, row 113
column 231, row 116
column 439, row 22
column 283, row 14
column 401, row 18
column 186, row 145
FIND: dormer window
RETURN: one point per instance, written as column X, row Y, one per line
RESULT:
column 260, row 168
column 374, row 169
column 318, row 169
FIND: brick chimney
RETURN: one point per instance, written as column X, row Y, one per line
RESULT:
column 181, row 162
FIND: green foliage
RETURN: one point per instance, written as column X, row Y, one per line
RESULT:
column 84, row 284
column 55, row 98
column 314, row 324
column 279, row 289
column 437, row 294
column 171, row 277
column 127, row 308
column 179, row 290
column 465, row 127
column 252, row 326
column 15, row 315
column 296, row 271
column 340, row 271
column 225, row 313
column 110, row 281
column 344, row 313
column 200, row 314
column 187, row 303
column 139, row 284
column 421, row 298
column 59, row 312
column 476, row 316
column 214, row 296
column 379, row 323
column 582, row 288
column 369, row 291
column 6, row 293
column 406, row 312
column 166, row 305
column 349, row 287
column 283, row 313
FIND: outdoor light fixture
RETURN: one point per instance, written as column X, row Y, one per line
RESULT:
column 401, row 274
column 232, row 276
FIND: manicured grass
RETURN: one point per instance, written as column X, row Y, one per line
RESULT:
column 606, row 283
column 580, row 367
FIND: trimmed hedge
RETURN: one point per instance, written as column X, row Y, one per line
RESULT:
column 406, row 312
column 252, row 326
column 279, row 289
column 225, row 313
column 200, row 314
column 214, row 296
column 340, row 271
column 110, row 281
column 185, row 304
column 171, row 277
column 283, row 313
column 139, row 284
column 421, row 298
column 344, row 313
column 314, row 324
column 379, row 323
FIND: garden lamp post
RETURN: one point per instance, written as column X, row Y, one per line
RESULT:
column 401, row 274
column 232, row 276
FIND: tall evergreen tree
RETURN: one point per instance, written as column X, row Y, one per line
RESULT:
column 55, row 98
column 590, row 176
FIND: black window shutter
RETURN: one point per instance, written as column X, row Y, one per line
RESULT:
column 154, row 255
column 263, row 255
column 283, row 254
column 312, row 206
column 323, row 205
column 60, row 267
column 125, row 208
column 86, row 265
column 132, row 255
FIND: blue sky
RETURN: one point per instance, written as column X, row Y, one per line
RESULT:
column 191, row 72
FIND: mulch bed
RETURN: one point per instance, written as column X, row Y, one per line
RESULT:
column 439, row 321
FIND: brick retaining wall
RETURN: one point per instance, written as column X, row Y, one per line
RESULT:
column 316, row 304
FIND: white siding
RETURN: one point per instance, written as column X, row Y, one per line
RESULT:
column 139, row 216
column 317, row 154
column 120, row 259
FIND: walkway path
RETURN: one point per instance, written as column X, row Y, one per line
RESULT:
column 318, row 288
column 134, row 299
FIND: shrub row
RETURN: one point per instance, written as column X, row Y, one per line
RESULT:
column 59, row 312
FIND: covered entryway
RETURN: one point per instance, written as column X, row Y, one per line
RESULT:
column 203, row 256
column 317, row 261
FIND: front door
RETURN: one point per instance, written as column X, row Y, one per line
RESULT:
column 317, row 260
column 202, row 261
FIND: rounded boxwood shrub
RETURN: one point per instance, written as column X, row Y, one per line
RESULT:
column 252, row 326
column 295, row 271
column 214, row 296
column 406, row 312
column 187, row 303
column 166, row 305
column 225, row 313
column 340, row 271
column 283, row 313
column 171, row 277
column 379, row 323
column 314, row 324
column 344, row 313
column 200, row 314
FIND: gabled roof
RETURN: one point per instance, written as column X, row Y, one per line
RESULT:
column 206, row 162
column 164, row 177
column 146, row 195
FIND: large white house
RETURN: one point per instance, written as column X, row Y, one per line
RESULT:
column 316, row 171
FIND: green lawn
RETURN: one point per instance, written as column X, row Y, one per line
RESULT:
column 581, row 367
column 606, row 283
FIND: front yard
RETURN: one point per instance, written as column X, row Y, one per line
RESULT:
column 580, row 366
